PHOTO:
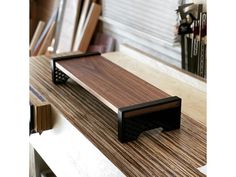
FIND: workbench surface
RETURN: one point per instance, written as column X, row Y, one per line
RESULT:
column 175, row 153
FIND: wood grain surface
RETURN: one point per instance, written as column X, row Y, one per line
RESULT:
column 37, row 33
column 68, row 25
column 47, row 40
column 111, row 84
column 82, row 19
column 191, row 91
column 88, row 28
column 176, row 153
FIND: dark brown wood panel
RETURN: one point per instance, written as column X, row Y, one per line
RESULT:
column 175, row 153
column 110, row 83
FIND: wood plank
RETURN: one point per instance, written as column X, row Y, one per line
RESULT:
column 46, row 8
column 68, row 26
column 88, row 29
column 37, row 34
column 84, row 13
column 44, row 33
column 47, row 40
column 60, row 15
column 33, row 18
column 106, row 40
column 111, row 84
column 175, row 153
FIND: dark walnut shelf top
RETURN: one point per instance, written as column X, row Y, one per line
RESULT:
column 111, row 84
column 175, row 153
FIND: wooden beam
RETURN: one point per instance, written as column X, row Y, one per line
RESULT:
column 48, row 39
column 68, row 26
column 81, row 23
column 44, row 33
column 89, row 27
column 37, row 34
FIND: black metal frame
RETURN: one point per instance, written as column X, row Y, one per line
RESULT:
column 59, row 77
column 133, row 120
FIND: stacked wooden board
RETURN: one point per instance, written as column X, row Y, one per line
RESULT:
column 43, row 36
column 70, row 28
column 69, row 15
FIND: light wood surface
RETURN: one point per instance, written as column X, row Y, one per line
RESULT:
column 89, row 27
column 111, row 84
column 84, row 13
column 47, row 40
column 41, row 10
column 175, row 153
column 193, row 99
column 164, row 67
column 48, row 25
column 68, row 25
column 37, row 34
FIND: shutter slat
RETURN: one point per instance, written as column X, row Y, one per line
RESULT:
column 153, row 20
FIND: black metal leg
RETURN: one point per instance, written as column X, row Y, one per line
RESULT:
column 59, row 77
column 134, row 120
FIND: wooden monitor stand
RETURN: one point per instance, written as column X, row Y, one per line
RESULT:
column 139, row 105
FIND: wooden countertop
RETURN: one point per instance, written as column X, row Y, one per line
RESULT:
column 174, row 153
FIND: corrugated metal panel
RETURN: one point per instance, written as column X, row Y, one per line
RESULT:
column 153, row 20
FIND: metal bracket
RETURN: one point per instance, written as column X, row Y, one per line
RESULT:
column 133, row 120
